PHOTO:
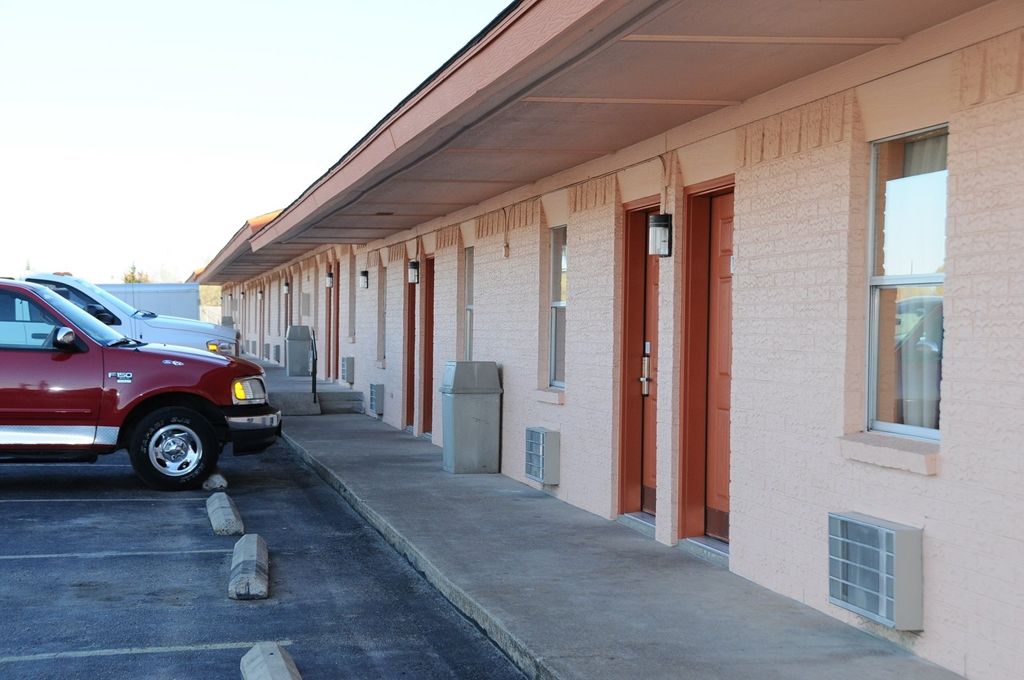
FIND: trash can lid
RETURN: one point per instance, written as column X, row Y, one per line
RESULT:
column 299, row 333
column 470, row 377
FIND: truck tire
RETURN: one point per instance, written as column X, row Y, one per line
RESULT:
column 173, row 448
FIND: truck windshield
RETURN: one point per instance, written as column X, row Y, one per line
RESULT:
column 85, row 322
column 108, row 300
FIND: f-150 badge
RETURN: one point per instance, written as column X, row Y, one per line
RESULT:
column 121, row 376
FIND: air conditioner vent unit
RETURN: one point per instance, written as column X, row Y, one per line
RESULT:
column 875, row 569
column 377, row 399
column 543, row 454
column 348, row 370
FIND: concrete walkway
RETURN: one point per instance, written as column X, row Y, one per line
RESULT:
column 567, row 594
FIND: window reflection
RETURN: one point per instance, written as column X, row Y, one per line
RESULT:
column 909, row 365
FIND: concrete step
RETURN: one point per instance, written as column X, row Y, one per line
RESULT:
column 295, row 403
column 348, row 401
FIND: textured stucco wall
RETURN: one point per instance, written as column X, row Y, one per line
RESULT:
column 368, row 369
column 973, row 515
column 799, row 301
column 448, row 309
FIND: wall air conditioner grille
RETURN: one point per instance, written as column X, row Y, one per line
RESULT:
column 348, row 369
column 377, row 399
column 875, row 569
column 543, row 454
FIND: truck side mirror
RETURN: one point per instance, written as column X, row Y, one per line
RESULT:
column 100, row 313
column 64, row 339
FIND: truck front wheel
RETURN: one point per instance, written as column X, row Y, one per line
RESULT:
column 173, row 448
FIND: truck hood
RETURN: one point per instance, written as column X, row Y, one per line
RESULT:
column 192, row 354
column 176, row 323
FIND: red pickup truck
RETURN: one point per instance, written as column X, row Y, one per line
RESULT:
column 72, row 388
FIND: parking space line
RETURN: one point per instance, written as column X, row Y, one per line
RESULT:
column 130, row 651
column 80, row 465
column 104, row 500
column 111, row 553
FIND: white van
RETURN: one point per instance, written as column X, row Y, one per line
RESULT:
column 137, row 323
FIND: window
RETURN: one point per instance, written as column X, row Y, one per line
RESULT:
column 24, row 324
column 467, row 353
column 559, row 290
column 80, row 299
column 907, row 274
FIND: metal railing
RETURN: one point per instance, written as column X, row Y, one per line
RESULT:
column 312, row 360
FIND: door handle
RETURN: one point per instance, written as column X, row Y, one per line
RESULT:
column 645, row 376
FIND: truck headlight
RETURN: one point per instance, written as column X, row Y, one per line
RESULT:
column 248, row 391
column 220, row 346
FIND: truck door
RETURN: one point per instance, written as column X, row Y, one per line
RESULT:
column 47, row 397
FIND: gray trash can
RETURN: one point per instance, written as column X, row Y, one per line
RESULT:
column 471, row 414
column 298, row 340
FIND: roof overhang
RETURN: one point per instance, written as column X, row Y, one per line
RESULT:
column 236, row 261
column 553, row 84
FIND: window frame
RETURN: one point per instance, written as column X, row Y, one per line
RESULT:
column 878, row 283
column 554, row 305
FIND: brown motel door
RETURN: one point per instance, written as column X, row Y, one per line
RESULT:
column 719, row 368
column 640, row 369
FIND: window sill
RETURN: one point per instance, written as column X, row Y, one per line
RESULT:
column 550, row 396
column 381, row 364
column 351, row 339
column 888, row 451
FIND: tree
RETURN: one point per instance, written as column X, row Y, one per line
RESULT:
column 133, row 275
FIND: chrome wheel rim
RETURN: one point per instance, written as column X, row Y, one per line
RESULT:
column 175, row 450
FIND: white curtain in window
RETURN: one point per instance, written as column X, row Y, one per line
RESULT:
column 924, row 155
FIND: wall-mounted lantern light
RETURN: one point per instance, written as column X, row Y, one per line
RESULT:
column 229, row 297
column 243, row 294
column 659, row 235
column 259, row 295
column 285, row 288
column 364, row 279
column 414, row 271
column 330, row 280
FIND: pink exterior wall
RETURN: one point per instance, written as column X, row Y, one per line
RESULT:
column 799, row 338
column 973, row 516
column 394, row 381
column 368, row 369
column 447, row 312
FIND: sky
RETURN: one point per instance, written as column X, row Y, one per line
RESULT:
column 915, row 224
column 147, row 133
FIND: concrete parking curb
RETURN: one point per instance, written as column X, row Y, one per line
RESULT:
column 215, row 482
column 250, row 569
column 224, row 517
column 268, row 661
column 528, row 661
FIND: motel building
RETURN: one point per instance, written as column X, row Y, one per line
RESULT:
column 758, row 264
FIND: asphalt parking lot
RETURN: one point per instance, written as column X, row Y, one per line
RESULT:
column 101, row 577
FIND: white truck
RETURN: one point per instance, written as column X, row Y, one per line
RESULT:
column 137, row 323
